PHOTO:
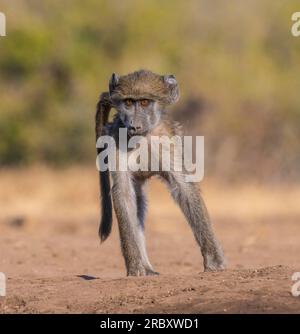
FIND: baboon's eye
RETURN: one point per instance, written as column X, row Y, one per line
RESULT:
column 144, row 103
column 128, row 102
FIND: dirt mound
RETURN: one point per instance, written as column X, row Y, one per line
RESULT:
column 266, row 290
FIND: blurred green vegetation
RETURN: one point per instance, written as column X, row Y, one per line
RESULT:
column 239, row 57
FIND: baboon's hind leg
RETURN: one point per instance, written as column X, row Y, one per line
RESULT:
column 187, row 196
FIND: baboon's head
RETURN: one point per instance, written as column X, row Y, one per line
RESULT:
column 141, row 97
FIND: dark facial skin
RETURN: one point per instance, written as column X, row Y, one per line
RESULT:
column 139, row 116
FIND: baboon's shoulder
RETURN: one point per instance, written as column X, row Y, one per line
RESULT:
column 168, row 127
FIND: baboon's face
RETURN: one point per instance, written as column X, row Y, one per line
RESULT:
column 141, row 97
column 139, row 116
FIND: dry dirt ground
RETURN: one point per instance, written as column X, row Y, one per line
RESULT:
column 54, row 263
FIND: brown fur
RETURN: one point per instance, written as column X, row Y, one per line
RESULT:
column 142, row 85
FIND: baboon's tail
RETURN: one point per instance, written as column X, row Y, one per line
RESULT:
column 102, row 114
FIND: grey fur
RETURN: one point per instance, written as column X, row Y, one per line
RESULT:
column 127, row 192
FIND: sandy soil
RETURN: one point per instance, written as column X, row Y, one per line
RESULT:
column 54, row 263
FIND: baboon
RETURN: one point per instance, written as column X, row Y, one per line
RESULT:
column 140, row 99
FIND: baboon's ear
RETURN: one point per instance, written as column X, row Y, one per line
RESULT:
column 173, row 88
column 113, row 82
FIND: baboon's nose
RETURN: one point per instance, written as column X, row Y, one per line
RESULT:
column 134, row 129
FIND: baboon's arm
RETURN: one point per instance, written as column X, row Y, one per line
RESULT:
column 102, row 114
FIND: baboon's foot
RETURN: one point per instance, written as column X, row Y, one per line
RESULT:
column 141, row 271
column 215, row 262
column 150, row 272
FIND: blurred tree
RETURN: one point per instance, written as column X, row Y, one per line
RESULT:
column 238, row 58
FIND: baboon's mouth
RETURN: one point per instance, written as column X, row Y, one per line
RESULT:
column 132, row 133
